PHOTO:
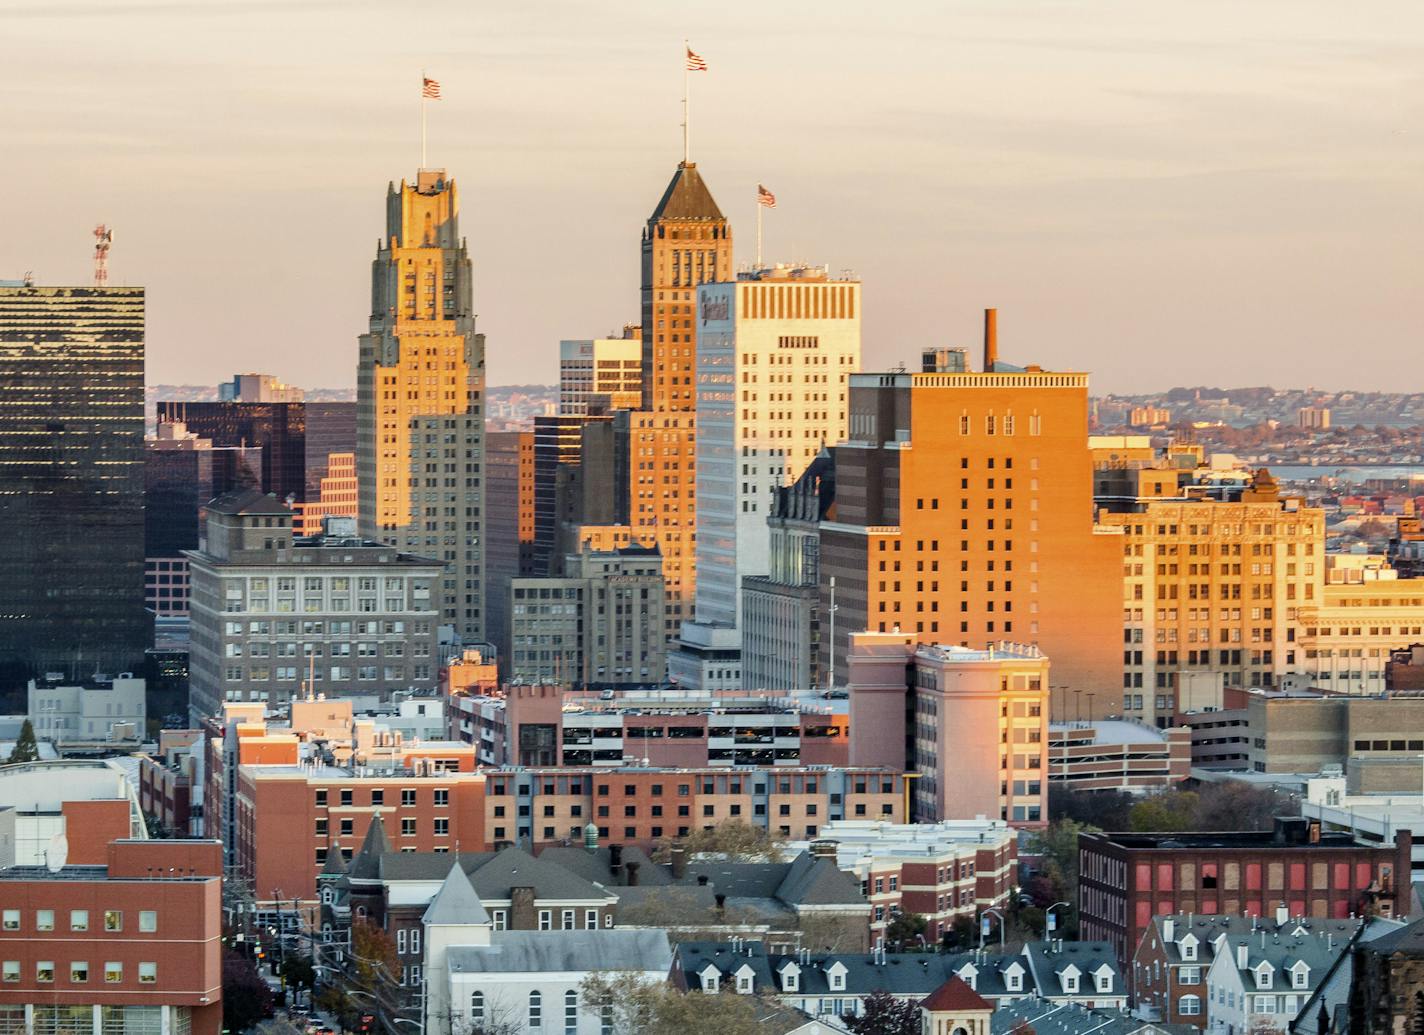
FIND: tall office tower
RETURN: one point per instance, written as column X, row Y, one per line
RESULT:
column 280, row 428
column 1213, row 590
column 71, row 481
column 182, row 472
column 509, row 526
column 775, row 349
column 964, row 515
column 611, row 368
column 686, row 242
column 420, row 397
column 258, row 388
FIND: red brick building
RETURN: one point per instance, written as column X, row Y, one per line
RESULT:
column 1124, row 880
column 132, row 947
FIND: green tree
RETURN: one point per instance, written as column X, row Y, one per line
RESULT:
column 733, row 839
column 1168, row 812
column 885, row 1015
column 906, row 929
column 631, row 1005
column 246, row 997
column 26, row 749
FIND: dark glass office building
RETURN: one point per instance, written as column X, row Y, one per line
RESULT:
column 296, row 437
column 71, row 482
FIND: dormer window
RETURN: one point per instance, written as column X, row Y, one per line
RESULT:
column 791, row 978
column 1300, row 976
column 1070, row 984
column 970, row 976
column 1013, row 980
column 1103, row 980
column 1263, row 976
column 1188, row 948
column 710, row 978
column 835, row 977
column 744, row 984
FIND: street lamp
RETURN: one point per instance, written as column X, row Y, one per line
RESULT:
column 984, row 926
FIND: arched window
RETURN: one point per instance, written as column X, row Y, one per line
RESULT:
column 1189, row 1005
column 571, row 1012
column 536, row 1010
column 477, row 1007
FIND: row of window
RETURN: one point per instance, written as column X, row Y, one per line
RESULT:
column 78, row 972
column 378, row 794
column 12, row 920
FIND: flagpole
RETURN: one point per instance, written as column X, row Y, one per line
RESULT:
column 422, row 118
column 686, row 116
column 760, row 206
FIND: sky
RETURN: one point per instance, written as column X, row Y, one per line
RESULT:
column 1161, row 193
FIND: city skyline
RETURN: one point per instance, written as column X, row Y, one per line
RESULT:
column 1228, row 186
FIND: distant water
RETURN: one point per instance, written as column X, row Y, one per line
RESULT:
column 1305, row 472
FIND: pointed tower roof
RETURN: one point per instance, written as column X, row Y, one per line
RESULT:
column 367, row 864
column 335, row 865
column 686, row 197
column 456, row 902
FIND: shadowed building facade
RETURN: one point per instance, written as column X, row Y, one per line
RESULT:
column 72, row 481
column 419, row 397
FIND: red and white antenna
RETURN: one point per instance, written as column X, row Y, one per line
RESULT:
column 103, row 238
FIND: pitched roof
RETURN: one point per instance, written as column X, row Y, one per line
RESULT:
column 597, row 865
column 248, row 501
column 366, row 866
column 456, row 902
column 686, row 197
column 953, row 996
column 516, row 868
column 335, row 864
column 544, row 952
column 813, row 881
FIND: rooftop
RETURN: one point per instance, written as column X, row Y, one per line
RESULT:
column 1003, row 650
column 546, row 952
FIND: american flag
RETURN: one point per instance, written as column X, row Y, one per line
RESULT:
column 695, row 63
column 430, row 89
column 765, row 197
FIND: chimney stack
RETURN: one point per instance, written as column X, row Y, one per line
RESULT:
column 991, row 339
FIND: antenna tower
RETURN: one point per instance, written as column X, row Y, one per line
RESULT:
column 103, row 238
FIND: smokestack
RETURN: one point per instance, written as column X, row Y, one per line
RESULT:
column 991, row 339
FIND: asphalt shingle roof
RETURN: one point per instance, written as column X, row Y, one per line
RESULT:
column 545, row 952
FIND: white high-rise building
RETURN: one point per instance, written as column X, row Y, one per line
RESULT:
column 775, row 351
column 601, row 366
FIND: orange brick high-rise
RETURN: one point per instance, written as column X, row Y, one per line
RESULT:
column 964, row 516
column 686, row 242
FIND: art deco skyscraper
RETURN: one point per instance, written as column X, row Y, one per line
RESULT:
column 687, row 242
column 420, row 397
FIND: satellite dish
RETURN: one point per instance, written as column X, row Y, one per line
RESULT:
column 57, row 852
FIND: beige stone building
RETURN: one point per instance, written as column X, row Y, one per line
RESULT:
column 420, row 387
column 1344, row 640
column 1214, row 586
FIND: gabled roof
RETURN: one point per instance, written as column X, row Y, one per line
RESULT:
column 456, row 902
column 546, row 952
column 813, row 881
column 686, row 197
column 248, row 501
column 954, row 996
column 366, row 866
column 516, row 868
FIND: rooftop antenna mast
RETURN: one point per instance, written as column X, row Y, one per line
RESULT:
column 103, row 238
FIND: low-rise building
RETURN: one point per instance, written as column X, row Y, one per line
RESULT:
column 100, row 714
column 941, row 871
column 88, row 802
column 637, row 805
column 1117, row 754
column 833, row 985
column 1127, row 879
column 127, row 943
column 547, row 725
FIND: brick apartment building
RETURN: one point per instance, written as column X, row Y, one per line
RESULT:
column 1127, row 879
column 130, row 946
column 642, row 806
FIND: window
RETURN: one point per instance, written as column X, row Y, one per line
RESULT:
column 415, row 940
column 113, row 920
column 147, row 921
column 408, row 828
column 744, row 984
column 113, row 972
column 408, row 796
column 477, row 1008
column 1189, row 1005
column 11, row 920
column 1189, row 976
column 44, row 920
column 78, row 972
column 571, row 1012
column 442, row 796
column 536, row 1010
column 148, row 973
column 546, row 920
column 568, row 920
column 590, row 920
column 400, row 941
column 442, row 827
column 79, row 919
column 44, row 972
column 10, row 971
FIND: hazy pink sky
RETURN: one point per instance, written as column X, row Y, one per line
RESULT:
column 1213, row 191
